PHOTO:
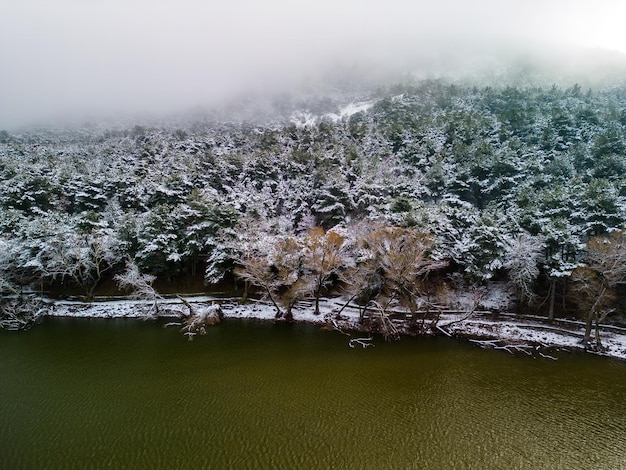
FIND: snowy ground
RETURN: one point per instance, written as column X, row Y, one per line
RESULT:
column 537, row 333
column 307, row 119
column 504, row 332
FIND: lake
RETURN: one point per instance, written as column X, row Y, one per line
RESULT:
column 93, row 393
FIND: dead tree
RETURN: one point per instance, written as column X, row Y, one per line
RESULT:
column 139, row 285
column 200, row 318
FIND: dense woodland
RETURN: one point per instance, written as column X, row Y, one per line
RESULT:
column 429, row 190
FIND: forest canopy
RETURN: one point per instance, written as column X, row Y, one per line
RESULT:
column 508, row 183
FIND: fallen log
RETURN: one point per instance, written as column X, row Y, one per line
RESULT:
column 363, row 342
column 199, row 319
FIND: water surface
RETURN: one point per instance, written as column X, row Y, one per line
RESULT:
column 79, row 393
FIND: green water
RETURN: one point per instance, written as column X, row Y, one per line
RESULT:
column 127, row 394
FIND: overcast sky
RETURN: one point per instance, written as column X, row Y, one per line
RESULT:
column 69, row 57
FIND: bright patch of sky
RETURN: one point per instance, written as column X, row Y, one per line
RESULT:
column 595, row 24
column 60, row 57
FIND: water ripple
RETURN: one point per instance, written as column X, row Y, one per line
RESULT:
column 256, row 396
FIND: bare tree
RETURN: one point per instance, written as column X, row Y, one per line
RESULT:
column 596, row 282
column 403, row 256
column 7, row 268
column 521, row 259
column 325, row 256
column 139, row 285
column 275, row 269
column 253, row 268
column 21, row 313
column 17, row 311
column 287, row 263
column 360, row 283
column 84, row 259
column 391, row 265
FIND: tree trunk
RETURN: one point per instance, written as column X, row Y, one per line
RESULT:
column 598, row 341
column 279, row 312
column 192, row 310
column 552, row 296
column 91, row 292
column 246, row 291
column 289, row 314
column 345, row 305
column 588, row 325
column 590, row 317
column 362, row 314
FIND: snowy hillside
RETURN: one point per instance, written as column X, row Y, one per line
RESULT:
column 516, row 184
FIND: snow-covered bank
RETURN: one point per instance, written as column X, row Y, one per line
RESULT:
column 508, row 329
column 543, row 335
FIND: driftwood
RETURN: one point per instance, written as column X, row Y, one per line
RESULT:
column 363, row 342
column 443, row 331
column 527, row 349
column 332, row 325
column 498, row 345
column 547, row 356
column 199, row 319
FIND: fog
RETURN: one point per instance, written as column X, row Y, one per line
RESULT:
column 61, row 58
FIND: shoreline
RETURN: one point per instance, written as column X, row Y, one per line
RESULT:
column 503, row 331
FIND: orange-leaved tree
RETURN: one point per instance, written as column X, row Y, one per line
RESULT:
column 595, row 283
column 325, row 256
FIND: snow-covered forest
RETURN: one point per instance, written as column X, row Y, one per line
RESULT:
column 408, row 195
